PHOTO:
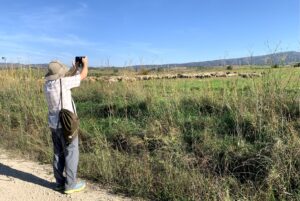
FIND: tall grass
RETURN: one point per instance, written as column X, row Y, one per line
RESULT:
column 214, row 139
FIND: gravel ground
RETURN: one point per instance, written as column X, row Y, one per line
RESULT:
column 25, row 180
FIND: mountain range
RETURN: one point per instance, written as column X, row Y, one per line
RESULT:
column 280, row 58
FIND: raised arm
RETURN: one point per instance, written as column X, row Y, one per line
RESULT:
column 84, row 71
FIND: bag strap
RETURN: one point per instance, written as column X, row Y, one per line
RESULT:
column 61, row 100
column 61, row 103
column 74, row 109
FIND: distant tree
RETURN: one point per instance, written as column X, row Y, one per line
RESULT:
column 199, row 67
column 297, row 65
column 229, row 67
column 250, row 58
column 144, row 71
column 116, row 70
column 160, row 69
column 283, row 59
column 272, row 61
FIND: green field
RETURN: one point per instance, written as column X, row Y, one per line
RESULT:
column 182, row 139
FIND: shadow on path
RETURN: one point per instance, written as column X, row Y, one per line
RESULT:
column 10, row 172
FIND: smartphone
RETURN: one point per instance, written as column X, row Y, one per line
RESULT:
column 78, row 60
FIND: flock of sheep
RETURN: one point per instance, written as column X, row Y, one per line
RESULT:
column 113, row 79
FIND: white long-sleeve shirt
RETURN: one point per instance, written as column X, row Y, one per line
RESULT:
column 52, row 93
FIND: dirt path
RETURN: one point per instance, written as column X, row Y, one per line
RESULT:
column 24, row 180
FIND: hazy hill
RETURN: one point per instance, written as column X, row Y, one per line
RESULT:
column 269, row 59
column 19, row 65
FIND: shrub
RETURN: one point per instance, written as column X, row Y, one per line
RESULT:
column 144, row 71
column 115, row 70
column 229, row 67
column 297, row 65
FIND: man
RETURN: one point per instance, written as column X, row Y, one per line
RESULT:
column 66, row 155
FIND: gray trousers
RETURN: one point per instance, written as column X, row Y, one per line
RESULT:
column 66, row 157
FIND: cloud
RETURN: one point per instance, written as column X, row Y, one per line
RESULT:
column 67, row 40
column 140, row 52
column 147, row 47
column 50, row 19
column 41, row 48
column 83, row 5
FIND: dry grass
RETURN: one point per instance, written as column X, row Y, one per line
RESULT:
column 218, row 139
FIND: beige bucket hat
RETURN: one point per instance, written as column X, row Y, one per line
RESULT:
column 56, row 70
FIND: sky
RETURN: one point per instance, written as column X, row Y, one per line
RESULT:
column 134, row 32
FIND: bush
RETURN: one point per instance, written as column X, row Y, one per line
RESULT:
column 297, row 65
column 144, row 71
column 229, row 67
column 115, row 70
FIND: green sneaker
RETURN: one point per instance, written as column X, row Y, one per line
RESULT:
column 78, row 187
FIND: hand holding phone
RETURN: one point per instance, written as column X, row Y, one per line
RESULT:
column 79, row 61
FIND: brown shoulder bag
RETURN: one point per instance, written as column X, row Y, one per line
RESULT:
column 68, row 120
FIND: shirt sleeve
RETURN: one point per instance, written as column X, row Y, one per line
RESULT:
column 71, row 82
